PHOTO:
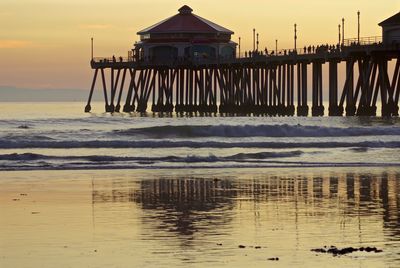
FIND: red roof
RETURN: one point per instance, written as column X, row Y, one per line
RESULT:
column 185, row 22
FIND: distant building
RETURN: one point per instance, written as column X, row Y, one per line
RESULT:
column 184, row 36
column 391, row 29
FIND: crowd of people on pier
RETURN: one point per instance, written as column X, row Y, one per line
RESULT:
column 319, row 49
column 305, row 50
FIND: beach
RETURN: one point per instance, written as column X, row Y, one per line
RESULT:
column 197, row 218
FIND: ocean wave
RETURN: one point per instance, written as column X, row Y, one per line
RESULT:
column 24, row 137
column 196, row 131
column 185, row 159
column 265, row 159
column 154, row 144
column 274, row 164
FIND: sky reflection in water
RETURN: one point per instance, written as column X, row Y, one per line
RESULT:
column 204, row 218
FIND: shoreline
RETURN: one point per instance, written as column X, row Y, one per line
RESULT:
column 207, row 171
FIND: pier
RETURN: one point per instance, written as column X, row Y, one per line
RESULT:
column 281, row 83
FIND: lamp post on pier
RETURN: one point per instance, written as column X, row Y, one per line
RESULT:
column 343, row 31
column 257, row 43
column 239, row 46
column 276, row 47
column 295, row 37
column 339, row 35
column 358, row 36
column 254, row 39
column 92, row 48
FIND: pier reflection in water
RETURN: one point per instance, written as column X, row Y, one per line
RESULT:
column 204, row 219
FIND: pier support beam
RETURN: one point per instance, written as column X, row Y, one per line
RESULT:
column 302, row 108
column 317, row 98
column 350, row 103
column 290, row 109
column 396, row 87
column 118, row 106
column 88, row 108
column 129, row 107
column 334, row 109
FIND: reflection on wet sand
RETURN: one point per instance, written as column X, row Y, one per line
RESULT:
column 303, row 210
column 182, row 206
column 187, row 197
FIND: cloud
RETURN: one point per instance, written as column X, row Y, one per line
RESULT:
column 95, row 26
column 9, row 43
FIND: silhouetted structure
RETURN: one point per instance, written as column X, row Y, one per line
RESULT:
column 184, row 36
column 191, row 67
column 391, row 29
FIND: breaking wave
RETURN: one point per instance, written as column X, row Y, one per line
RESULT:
column 32, row 161
column 187, row 159
column 196, row 131
column 185, row 143
column 124, row 144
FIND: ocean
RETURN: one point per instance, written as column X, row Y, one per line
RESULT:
column 60, row 136
column 130, row 190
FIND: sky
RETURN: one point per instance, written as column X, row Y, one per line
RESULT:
column 45, row 44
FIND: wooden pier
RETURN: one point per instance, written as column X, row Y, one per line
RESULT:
column 275, row 85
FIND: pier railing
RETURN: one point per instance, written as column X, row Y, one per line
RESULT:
column 326, row 49
column 371, row 40
column 112, row 59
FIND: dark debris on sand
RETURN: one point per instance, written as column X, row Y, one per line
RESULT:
column 342, row 251
column 243, row 246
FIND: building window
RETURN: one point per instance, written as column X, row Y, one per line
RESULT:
column 145, row 37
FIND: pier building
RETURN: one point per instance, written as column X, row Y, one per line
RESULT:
column 391, row 29
column 184, row 36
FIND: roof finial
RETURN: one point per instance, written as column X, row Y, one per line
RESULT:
column 185, row 10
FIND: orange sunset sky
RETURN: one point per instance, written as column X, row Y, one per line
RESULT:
column 46, row 43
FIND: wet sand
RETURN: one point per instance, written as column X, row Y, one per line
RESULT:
column 199, row 218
